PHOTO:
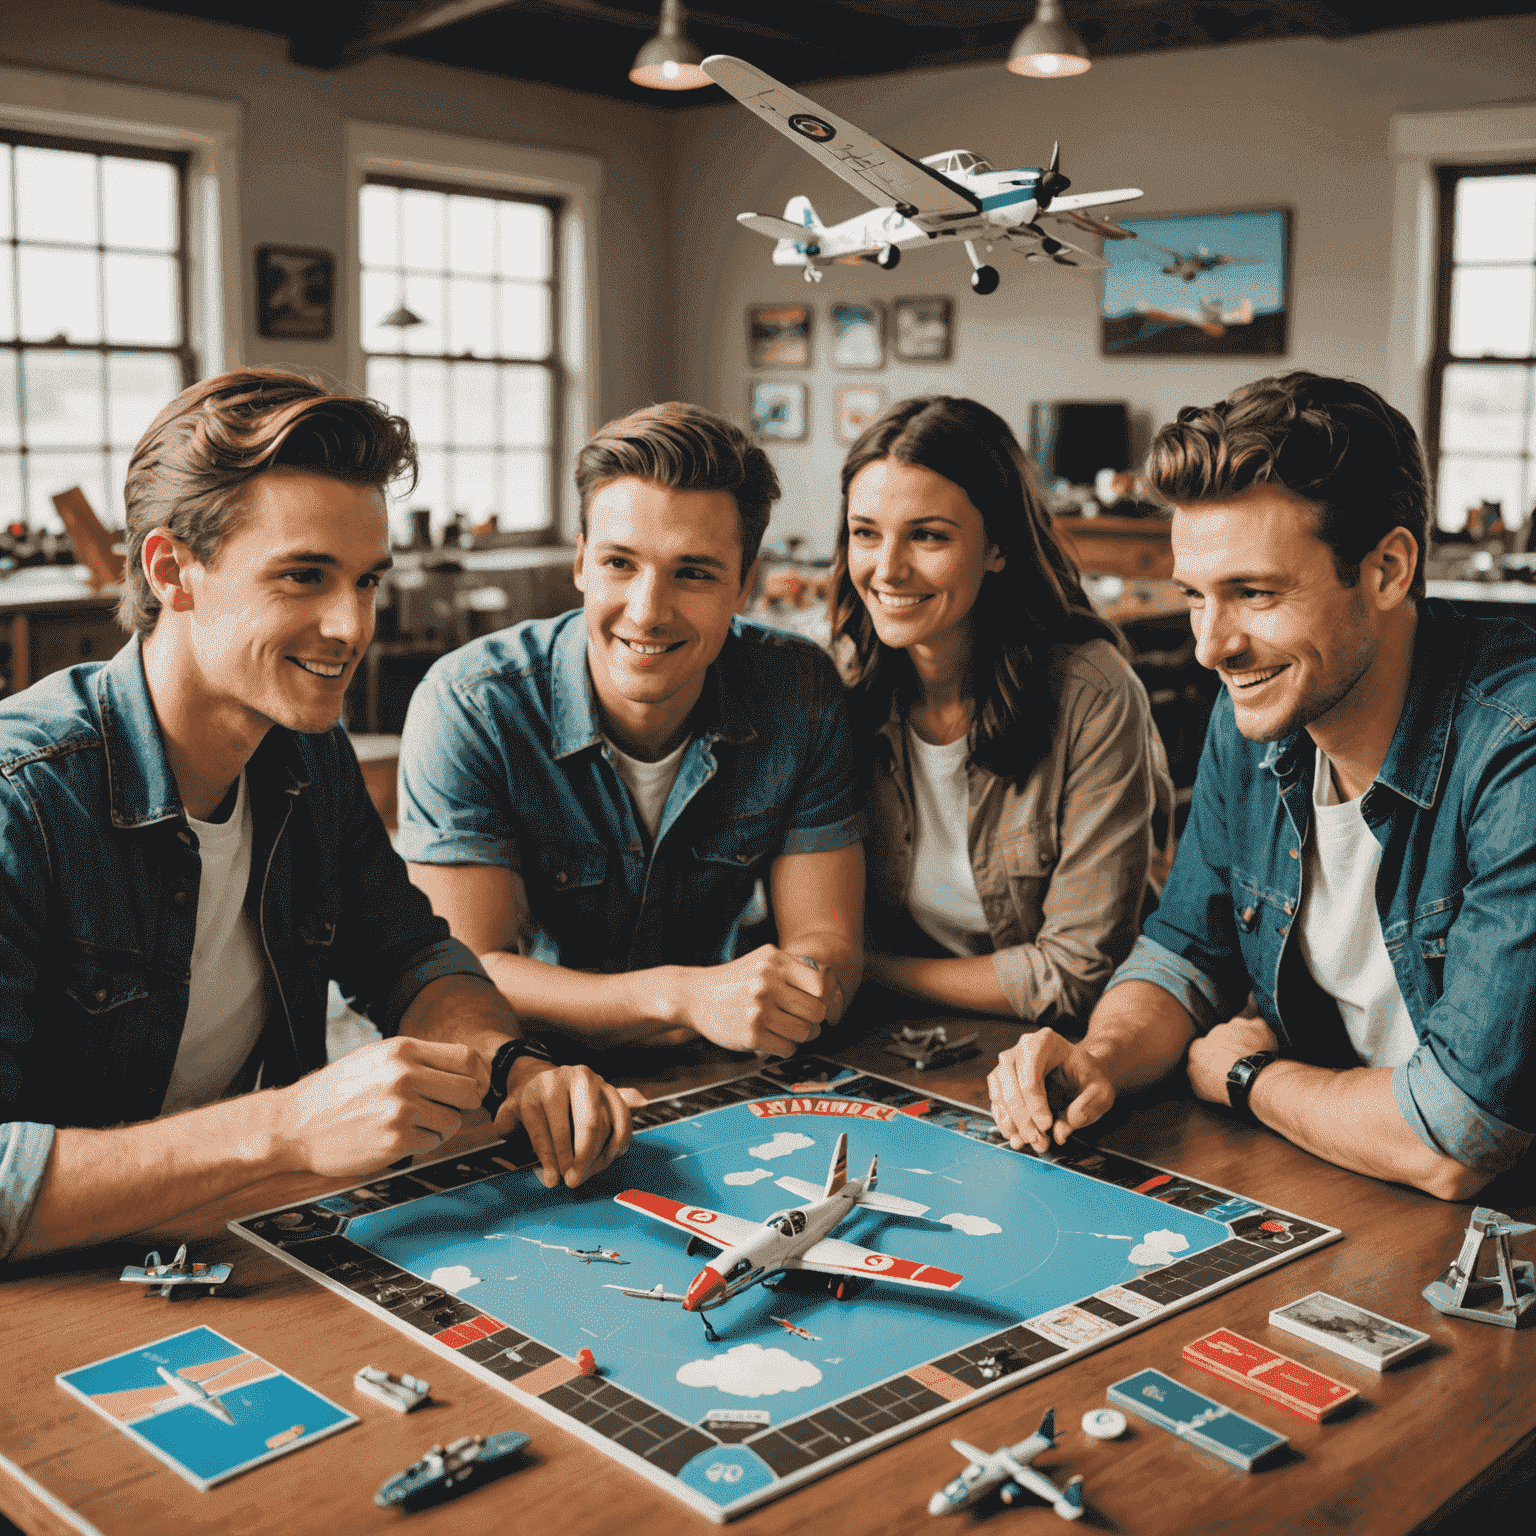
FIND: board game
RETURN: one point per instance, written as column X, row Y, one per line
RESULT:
column 1058, row 1256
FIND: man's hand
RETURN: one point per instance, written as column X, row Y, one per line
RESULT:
column 382, row 1102
column 1017, row 1085
column 767, row 1001
column 1212, row 1055
column 578, row 1123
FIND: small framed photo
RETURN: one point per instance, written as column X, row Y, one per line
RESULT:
column 1365, row 1337
column 858, row 336
column 295, row 292
column 777, row 410
column 857, row 407
column 779, row 336
column 922, row 330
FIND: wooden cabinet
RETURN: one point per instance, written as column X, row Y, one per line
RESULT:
column 48, row 624
column 1118, row 546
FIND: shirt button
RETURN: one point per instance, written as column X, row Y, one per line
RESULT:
column 1045, row 858
column 180, row 898
column 1247, row 914
column 1287, row 909
column 561, row 878
column 101, row 994
column 1295, row 854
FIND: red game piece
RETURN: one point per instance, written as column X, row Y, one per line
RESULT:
column 586, row 1362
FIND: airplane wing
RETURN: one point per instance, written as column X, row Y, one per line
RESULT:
column 1092, row 200
column 802, row 1187
column 832, row 1256
column 884, row 175
column 971, row 1453
column 1092, row 226
column 1070, row 255
column 697, row 1220
column 872, row 1200
column 1038, row 1484
column 775, row 229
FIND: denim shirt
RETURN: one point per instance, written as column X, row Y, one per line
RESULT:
column 1454, row 809
column 503, row 762
column 99, row 876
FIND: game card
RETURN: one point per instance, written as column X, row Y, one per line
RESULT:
column 205, row 1407
column 1272, row 1375
column 1364, row 1337
column 1194, row 1417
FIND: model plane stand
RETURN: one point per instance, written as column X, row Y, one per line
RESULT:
column 1503, row 1298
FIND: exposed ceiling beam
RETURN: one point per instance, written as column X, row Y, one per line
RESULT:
column 375, row 27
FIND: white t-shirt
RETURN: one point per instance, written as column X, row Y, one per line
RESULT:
column 649, row 784
column 227, row 1002
column 1339, row 929
column 942, row 895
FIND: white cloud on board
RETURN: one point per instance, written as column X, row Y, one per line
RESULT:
column 455, row 1278
column 749, row 1370
column 1158, row 1248
column 972, row 1226
column 751, row 1176
column 782, row 1145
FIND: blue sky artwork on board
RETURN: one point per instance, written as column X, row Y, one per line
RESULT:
column 1198, row 285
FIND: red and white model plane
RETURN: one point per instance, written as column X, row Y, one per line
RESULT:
column 752, row 1252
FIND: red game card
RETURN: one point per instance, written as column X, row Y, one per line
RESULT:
column 1275, row 1376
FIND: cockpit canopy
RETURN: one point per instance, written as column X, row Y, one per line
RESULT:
column 953, row 160
column 789, row 1223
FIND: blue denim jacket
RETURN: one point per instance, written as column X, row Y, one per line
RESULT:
column 98, row 909
column 503, row 762
column 1454, row 809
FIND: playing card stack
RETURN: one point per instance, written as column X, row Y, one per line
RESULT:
column 1279, row 1378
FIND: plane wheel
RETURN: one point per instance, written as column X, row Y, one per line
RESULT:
column 888, row 258
column 985, row 280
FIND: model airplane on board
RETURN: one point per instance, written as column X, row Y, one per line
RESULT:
column 166, row 1279
column 954, row 196
column 1210, row 318
column 752, row 1252
column 928, row 1047
column 1008, row 1470
column 1197, row 261
column 192, row 1394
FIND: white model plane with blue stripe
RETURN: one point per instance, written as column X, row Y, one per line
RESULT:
column 1008, row 1470
column 954, row 197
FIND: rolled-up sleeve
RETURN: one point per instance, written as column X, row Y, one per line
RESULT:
column 1181, row 979
column 24, row 1152
column 1446, row 1119
column 823, row 815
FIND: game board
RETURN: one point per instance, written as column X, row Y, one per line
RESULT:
column 1060, row 1256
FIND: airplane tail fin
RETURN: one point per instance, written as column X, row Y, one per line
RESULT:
column 872, row 1177
column 798, row 210
column 837, row 1174
column 1047, row 1430
column 1070, row 1505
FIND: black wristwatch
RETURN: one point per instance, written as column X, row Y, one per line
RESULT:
column 1240, row 1081
column 501, row 1067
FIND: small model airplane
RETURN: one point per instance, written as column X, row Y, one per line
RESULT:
column 955, row 196
column 192, row 1394
column 789, row 1240
column 796, row 1330
column 402, row 1393
column 166, row 1279
column 586, row 1255
column 927, row 1047
column 1210, row 318
column 1008, row 1469
column 1199, row 260
column 451, row 1468
column 656, row 1293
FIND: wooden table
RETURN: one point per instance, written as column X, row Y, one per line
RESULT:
column 1438, row 1430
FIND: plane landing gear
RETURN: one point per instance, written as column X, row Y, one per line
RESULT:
column 888, row 258
column 984, row 279
column 709, row 1333
column 812, row 273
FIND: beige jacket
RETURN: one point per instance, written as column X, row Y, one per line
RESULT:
column 1062, row 863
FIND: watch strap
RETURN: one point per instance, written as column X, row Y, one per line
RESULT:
column 501, row 1067
column 1240, row 1080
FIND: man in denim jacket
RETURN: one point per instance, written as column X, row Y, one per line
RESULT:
column 590, row 800
column 1359, row 866
column 188, row 855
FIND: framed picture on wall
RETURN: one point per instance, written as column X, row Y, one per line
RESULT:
column 1198, row 285
column 777, row 410
column 295, row 292
column 858, row 336
column 779, row 336
column 922, row 330
column 857, row 407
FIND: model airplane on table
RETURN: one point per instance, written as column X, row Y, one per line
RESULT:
column 193, row 1394
column 752, row 1252
column 955, row 196
column 1008, row 1470
column 1197, row 261
column 928, row 1046
column 166, row 1279
column 1210, row 318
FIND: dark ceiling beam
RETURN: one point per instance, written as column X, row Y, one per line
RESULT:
column 348, row 34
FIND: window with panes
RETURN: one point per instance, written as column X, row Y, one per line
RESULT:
column 459, row 299
column 1482, row 388
column 93, row 316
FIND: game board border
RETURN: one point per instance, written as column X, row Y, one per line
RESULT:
column 561, row 1375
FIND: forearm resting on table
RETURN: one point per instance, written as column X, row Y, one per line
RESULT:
column 594, row 1008
column 1138, row 1033
column 959, row 982
column 1350, row 1118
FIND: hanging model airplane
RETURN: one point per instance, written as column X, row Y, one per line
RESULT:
column 1008, row 1469
column 954, row 196
column 752, row 1252
column 1210, row 318
column 1198, row 260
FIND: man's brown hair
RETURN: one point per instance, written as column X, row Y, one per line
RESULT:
column 190, row 468
column 685, row 448
column 1332, row 442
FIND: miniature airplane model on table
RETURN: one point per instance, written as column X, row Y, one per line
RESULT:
column 451, row 1467
column 1008, row 1470
column 927, row 1047
column 955, row 196
column 1210, row 317
column 752, row 1252
column 166, row 1279
column 1506, row 1296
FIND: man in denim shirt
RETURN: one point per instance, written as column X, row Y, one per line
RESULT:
column 1361, row 848
column 188, row 854
column 590, row 800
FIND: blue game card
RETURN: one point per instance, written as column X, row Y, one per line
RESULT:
column 204, row 1406
column 1197, row 1418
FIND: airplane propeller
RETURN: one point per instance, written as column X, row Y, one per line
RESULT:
column 1051, row 182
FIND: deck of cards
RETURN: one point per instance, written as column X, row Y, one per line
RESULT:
column 1367, row 1338
column 1199, row 1419
column 1279, row 1378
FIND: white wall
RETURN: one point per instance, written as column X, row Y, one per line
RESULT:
column 1303, row 123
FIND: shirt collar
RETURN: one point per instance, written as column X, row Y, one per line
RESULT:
column 142, row 788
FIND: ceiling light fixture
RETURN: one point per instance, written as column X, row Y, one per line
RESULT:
column 670, row 60
column 1048, row 48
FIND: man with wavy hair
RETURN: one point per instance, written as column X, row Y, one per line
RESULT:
column 1359, row 867
column 188, row 856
